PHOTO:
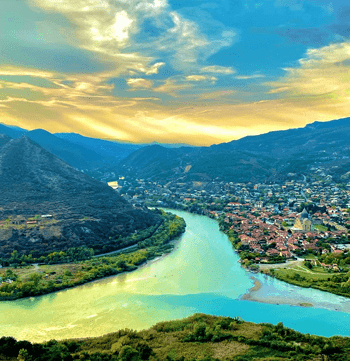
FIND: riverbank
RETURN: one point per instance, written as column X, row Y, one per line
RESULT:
column 337, row 284
column 252, row 295
column 200, row 275
column 51, row 278
column 295, row 272
column 256, row 287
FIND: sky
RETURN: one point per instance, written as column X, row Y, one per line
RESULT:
column 197, row 72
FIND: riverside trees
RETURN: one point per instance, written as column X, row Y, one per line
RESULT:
column 56, row 277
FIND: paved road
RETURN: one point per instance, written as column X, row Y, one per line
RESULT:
column 281, row 265
column 117, row 251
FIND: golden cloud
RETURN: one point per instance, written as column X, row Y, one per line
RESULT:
column 201, row 78
column 139, row 83
column 171, row 87
column 247, row 77
column 323, row 71
column 318, row 89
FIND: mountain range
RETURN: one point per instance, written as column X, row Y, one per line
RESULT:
column 79, row 151
column 266, row 157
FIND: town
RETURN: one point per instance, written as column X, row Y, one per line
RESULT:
column 302, row 218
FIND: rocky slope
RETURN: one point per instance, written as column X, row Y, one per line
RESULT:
column 79, row 210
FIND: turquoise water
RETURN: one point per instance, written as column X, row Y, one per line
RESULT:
column 201, row 275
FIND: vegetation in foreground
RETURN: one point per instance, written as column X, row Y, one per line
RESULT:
column 199, row 337
column 23, row 282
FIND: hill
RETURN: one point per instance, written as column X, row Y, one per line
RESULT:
column 80, row 152
column 105, row 148
column 76, row 155
column 266, row 157
column 200, row 337
column 46, row 205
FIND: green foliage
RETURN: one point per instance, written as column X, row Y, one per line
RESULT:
column 88, row 269
column 189, row 339
column 127, row 353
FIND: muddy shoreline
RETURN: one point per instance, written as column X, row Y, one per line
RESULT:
column 252, row 295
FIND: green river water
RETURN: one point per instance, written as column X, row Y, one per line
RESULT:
column 201, row 275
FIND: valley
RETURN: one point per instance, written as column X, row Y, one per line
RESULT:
column 174, row 180
column 279, row 233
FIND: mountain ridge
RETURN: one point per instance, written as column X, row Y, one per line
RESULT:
column 83, row 210
column 267, row 157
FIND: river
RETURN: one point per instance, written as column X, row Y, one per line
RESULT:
column 201, row 275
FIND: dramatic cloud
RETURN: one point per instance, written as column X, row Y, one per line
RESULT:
column 114, row 30
column 163, row 70
column 324, row 71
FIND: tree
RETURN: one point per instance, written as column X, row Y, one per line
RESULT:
column 10, row 275
column 23, row 355
column 36, row 278
column 127, row 353
column 308, row 264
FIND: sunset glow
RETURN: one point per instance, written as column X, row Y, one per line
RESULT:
column 198, row 73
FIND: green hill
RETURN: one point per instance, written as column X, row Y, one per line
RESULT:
column 200, row 337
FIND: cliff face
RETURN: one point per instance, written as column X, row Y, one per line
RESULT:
column 80, row 210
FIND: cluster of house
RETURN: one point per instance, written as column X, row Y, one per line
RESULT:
column 273, row 239
column 265, row 215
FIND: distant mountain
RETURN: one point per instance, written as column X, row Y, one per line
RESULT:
column 12, row 132
column 150, row 160
column 106, row 148
column 84, row 211
column 79, row 151
column 266, row 157
column 76, row 155
column 312, row 138
column 169, row 145
column 156, row 162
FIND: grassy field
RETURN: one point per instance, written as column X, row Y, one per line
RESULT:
column 304, row 271
column 317, row 277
